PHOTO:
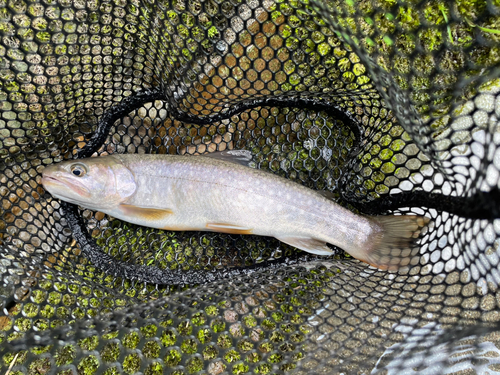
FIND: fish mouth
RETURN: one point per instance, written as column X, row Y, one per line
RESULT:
column 49, row 179
column 57, row 187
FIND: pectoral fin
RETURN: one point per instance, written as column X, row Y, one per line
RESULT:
column 307, row 244
column 145, row 213
column 228, row 228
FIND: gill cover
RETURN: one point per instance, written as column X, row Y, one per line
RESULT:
column 124, row 179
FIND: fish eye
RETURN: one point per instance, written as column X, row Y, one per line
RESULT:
column 78, row 170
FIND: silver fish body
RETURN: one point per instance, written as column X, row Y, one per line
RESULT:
column 206, row 194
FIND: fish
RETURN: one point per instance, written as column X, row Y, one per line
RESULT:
column 219, row 192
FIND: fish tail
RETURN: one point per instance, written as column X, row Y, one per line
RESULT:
column 394, row 245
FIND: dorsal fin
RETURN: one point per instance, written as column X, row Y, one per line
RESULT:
column 242, row 157
column 328, row 194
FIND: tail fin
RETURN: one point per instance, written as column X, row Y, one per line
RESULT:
column 394, row 246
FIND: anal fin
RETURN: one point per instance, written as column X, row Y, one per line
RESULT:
column 145, row 213
column 228, row 228
column 308, row 244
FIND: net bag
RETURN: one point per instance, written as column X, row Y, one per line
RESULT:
column 389, row 106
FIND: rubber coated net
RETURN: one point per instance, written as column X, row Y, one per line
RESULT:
column 391, row 106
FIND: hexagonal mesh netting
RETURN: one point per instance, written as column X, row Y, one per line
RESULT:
column 390, row 105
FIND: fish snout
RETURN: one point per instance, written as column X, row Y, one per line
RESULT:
column 51, row 175
column 51, row 170
column 60, row 184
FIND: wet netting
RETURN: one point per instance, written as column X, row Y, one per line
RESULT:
column 390, row 106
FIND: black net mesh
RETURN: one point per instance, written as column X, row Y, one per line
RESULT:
column 391, row 106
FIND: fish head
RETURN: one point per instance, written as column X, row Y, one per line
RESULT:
column 98, row 183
